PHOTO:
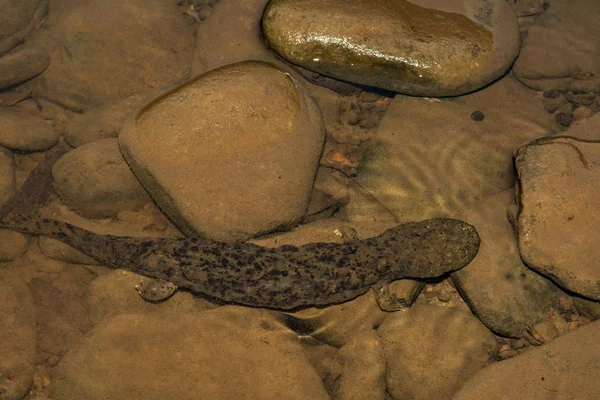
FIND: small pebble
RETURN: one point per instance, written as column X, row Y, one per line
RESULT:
column 477, row 116
column 564, row 119
column 581, row 99
column 507, row 353
column 551, row 105
column 444, row 295
column 582, row 112
column 552, row 94
column 545, row 331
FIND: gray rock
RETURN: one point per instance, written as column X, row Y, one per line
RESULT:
column 25, row 131
column 93, row 63
column 560, row 50
column 441, row 346
column 238, row 353
column 559, row 195
column 246, row 167
column 424, row 47
column 17, row 337
column 503, row 293
column 18, row 19
column 22, row 65
column 95, row 181
column 567, row 368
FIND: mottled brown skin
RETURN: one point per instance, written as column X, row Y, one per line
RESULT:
column 285, row 277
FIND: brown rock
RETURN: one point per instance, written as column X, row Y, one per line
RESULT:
column 238, row 353
column 102, row 122
column 588, row 308
column 505, row 295
column 17, row 337
column 420, row 48
column 430, row 158
column 258, row 127
column 567, row 368
column 22, row 65
column 440, row 346
column 94, row 63
column 560, row 50
column 230, row 35
column 559, row 182
column 7, row 176
column 95, row 181
column 18, row 19
column 25, row 131
column 363, row 371
column 12, row 245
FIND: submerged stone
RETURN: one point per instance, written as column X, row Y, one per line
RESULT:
column 396, row 45
column 229, row 154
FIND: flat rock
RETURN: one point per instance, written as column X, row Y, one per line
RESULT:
column 238, row 353
column 430, row 158
column 567, row 368
column 18, row 19
column 440, row 346
column 114, row 293
column 559, row 181
column 95, row 181
column 22, row 65
column 503, row 293
column 560, row 50
column 258, row 125
column 423, row 47
column 17, row 337
column 94, row 63
column 25, row 131
column 101, row 122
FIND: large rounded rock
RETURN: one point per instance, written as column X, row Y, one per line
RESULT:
column 106, row 50
column 95, row 181
column 567, row 368
column 237, row 354
column 231, row 153
column 424, row 47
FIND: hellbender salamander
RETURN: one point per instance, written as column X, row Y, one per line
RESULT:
column 285, row 277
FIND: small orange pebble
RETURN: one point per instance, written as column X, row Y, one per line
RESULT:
column 340, row 158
